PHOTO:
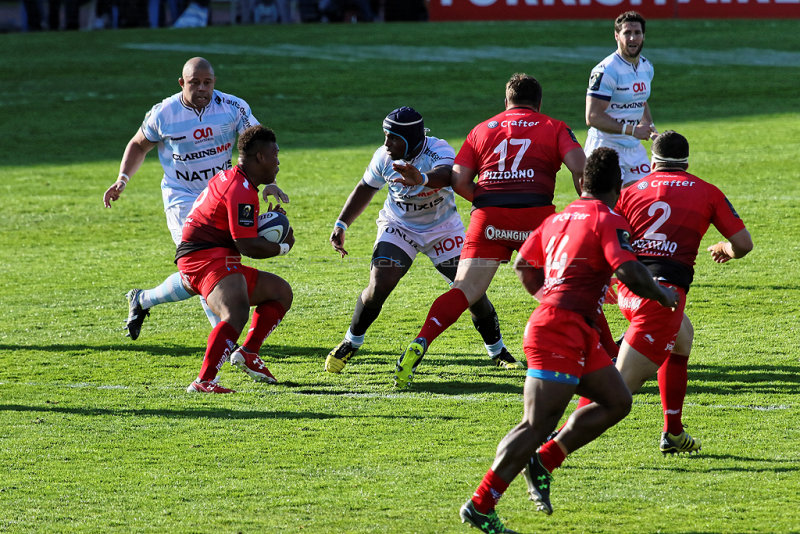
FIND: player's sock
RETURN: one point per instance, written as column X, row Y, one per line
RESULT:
column 673, row 377
column 355, row 341
column 266, row 317
column 221, row 341
column 363, row 317
column 445, row 311
column 606, row 338
column 489, row 492
column 551, row 455
column 213, row 318
column 489, row 329
column 170, row 290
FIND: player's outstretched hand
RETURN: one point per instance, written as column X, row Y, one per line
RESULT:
column 113, row 193
column 337, row 241
column 409, row 175
column 272, row 190
column 720, row 252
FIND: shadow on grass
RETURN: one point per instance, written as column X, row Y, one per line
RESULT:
column 183, row 413
column 738, row 379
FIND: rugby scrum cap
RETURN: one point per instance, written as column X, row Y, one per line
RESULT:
column 406, row 124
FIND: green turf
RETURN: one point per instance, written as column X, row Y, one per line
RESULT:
column 96, row 432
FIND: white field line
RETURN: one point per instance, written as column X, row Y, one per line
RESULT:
column 460, row 398
column 749, row 57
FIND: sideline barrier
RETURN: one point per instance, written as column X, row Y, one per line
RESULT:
column 450, row 10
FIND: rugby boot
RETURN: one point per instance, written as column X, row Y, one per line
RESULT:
column 408, row 362
column 683, row 442
column 339, row 356
column 489, row 523
column 507, row 361
column 250, row 363
column 136, row 314
column 538, row 479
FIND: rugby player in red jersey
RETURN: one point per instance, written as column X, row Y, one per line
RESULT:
column 669, row 212
column 222, row 226
column 515, row 155
column 566, row 263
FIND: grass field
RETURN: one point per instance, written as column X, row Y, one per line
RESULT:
column 96, row 431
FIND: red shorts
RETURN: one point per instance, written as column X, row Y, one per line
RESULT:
column 494, row 233
column 561, row 346
column 203, row 273
column 653, row 327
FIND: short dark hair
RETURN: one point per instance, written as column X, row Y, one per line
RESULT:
column 670, row 144
column 602, row 173
column 252, row 138
column 628, row 16
column 524, row 89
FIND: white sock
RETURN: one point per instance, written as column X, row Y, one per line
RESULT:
column 356, row 341
column 495, row 348
column 170, row 290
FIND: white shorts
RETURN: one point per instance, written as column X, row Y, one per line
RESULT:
column 440, row 244
column 633, row 161
column 176, row 215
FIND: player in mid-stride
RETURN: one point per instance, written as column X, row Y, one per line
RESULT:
column 617, row 111
column 413, row 220
column 195, row 131
column 222, row 226
column 669, row 211
column 566, row 263
column 515, row 156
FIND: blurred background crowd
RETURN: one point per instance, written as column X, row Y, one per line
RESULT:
column 41, row 15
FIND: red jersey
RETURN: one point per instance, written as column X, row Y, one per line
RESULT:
column 579, row 249
column 226, row 210
column 516, row 154
column 669, row 212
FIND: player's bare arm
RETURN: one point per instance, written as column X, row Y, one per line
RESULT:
column 354, row 206
column 132, row 159
column 531, row 277
column 575, row 160
column 647, row 123
column 463, row 181
column 736, row 247
column 639, row 280
column 260, row 248
column 597, row 117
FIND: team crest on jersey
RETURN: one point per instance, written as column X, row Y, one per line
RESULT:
column 624, row 238
column 594, row 81
column 492, row 124
column 642, row 185
column 247, row 215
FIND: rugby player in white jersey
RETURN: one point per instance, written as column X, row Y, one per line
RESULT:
column 413, row 220
column 617, row 112
column 195, row 131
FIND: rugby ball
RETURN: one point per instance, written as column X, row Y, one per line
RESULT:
column 273, row 226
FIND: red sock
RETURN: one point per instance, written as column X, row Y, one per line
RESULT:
column 489, row 492
column 445, row 311
column 583, row 401
column 551, row 455
column 606, row 338
column 673, row 376
column 221, row 342
column 266, row 317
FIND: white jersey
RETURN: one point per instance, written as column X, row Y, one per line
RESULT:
column 626, row 87
column 418, row 208
column 194, row 145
